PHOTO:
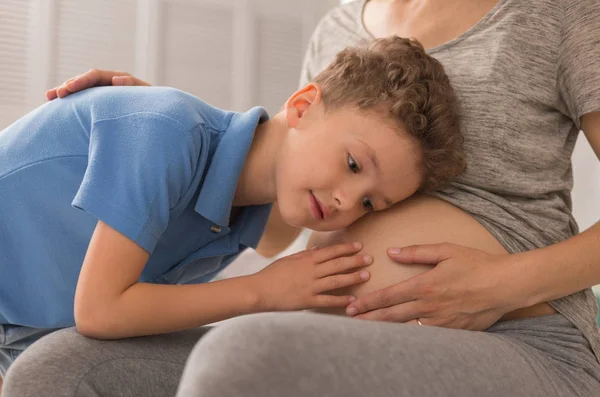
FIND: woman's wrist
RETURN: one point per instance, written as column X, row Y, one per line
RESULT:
column 539, row 276
column 520, row 285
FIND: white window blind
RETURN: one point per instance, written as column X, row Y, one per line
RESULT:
column 232, row 53
column 93, row 33
column 14, row 63
column 196, row 54
column 279, row 58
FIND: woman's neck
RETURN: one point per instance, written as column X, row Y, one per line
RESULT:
column 432, row 22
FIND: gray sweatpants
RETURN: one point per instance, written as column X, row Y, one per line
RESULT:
column 314, row 355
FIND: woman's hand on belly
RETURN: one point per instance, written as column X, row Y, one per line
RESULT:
column 464, row 290
column 463, row 281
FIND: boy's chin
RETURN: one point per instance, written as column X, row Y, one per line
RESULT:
column 292, row 220
column 324, row 227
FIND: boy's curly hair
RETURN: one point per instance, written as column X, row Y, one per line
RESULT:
column 396, row 75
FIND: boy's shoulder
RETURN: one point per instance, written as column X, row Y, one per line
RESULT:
column 184, row 109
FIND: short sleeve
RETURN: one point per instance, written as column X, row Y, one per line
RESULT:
column 139, row 166
column 578, row 71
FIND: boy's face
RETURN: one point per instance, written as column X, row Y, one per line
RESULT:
column 337, row 166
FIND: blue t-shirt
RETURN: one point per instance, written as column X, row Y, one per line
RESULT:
column 158, row 165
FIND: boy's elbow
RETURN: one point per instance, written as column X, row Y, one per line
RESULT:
column 93, row 323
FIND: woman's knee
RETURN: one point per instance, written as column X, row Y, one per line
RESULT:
column 267, row 335
column 250, row 355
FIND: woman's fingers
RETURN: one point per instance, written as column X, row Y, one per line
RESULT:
column 343, row 265
column 59, row 91
column 51, row 94
column 405, row 312
column 93, row 78
column 425, row 254
column 128, row 81
column 63, row 90
column 327, row 301
column 396, row 294
column 341, row 281
column 335, row 251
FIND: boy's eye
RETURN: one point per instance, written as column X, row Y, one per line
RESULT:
column 353, row 165
column 368, row 204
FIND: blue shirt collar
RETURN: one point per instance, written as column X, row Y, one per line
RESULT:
column 216, row 194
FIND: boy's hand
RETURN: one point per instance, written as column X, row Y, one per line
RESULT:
column 300, row 281
column 93, row 78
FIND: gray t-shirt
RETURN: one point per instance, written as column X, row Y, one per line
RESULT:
column 524, row 74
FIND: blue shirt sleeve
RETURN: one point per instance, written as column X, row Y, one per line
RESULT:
column 139, row 166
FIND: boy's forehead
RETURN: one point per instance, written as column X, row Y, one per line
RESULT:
column 399, row 164
column 372, row 123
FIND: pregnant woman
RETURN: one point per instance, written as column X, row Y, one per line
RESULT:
column 488, row 295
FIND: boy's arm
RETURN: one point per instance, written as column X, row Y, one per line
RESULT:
column 110, row 303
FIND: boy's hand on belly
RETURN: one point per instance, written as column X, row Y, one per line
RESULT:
column 467, row 289
column 300, row 281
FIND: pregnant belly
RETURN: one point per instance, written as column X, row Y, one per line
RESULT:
column 419, row 220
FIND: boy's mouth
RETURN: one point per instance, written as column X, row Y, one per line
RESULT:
column 316, row 207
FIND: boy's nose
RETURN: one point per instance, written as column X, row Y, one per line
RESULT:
column 347, row 200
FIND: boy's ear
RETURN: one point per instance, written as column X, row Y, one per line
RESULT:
column 307, row 97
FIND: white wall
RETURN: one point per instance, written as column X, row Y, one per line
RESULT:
column 586, row 190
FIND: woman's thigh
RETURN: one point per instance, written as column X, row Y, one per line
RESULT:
column 66, row 364
column 307, row 354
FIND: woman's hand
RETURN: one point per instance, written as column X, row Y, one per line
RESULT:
column 467, row 289
column 93, row 78
column 301, row 281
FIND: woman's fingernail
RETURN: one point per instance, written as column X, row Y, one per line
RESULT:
column 367, row 259
column 394, row 251
column 351, row 311
column 352, row 299
column 357, row 245
column 364, row 275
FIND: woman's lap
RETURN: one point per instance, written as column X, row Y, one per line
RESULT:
column 307, row 354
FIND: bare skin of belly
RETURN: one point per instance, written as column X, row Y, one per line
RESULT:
column 418, row 220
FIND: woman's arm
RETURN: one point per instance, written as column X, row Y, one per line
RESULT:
column 572, row 265
column 481, row 287
column 110, row 303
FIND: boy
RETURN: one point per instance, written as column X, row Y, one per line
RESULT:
column 119, row 204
